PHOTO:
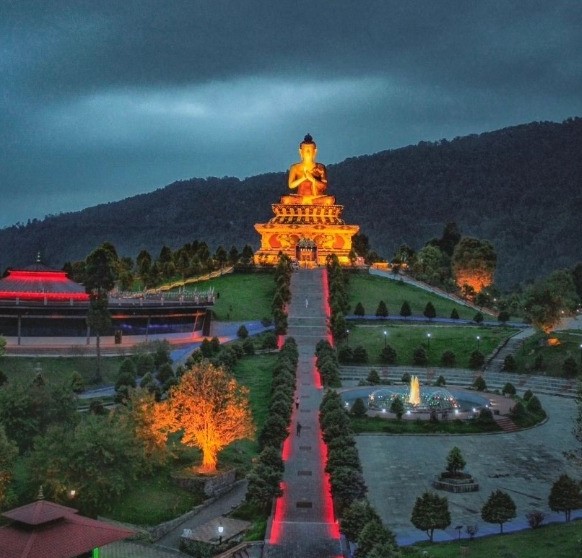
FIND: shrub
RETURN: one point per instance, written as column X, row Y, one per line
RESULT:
column 503, row 316
column 485, row 417
column 359, row 310
column 382, row 310
column 528, row 395
column 478, row 318
column 448, row 358
column 360, row 355
column 405, row 378
column 388, row 355
column 373, row 377
column 479, row 384
column 509, row 389
column 476, row 360
column 518, row 411
column 358, row 409
column 346, row 355
column 397, row 407
column 509, row 363
column 405, row 310
column 165, row 373
column 440, row 381
column 248, row 347
column 539, row 363
column 429, row 311
column 534, row 406
column 535, row 518
column 419, row 356
column 454, row 314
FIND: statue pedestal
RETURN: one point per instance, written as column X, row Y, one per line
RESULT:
column 306, row 232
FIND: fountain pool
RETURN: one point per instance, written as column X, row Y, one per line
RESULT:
column 416, row 399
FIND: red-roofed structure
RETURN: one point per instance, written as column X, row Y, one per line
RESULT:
column 54, row 531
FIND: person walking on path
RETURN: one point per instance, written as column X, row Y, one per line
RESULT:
column 299, row 430
column 306, row 303
column 297, row 402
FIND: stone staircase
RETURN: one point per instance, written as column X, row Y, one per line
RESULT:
column 506, row 424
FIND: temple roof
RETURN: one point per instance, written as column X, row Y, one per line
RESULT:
column 54, row 531
column 38, row 281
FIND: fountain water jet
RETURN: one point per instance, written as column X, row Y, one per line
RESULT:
column 414, row 396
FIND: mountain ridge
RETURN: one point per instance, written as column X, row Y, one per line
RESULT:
column 519, row 187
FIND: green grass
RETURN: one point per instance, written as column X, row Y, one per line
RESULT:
column 371, row 289
column 462, row 340
column 154, row 500
column 59, row 369
column 392, row 426
column 243, row 296
column 553, row 356
column 550, row 541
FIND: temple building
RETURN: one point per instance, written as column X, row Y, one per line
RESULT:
column 38, row 301
column 307, row 224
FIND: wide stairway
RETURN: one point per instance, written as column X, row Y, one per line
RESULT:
column 302, row 524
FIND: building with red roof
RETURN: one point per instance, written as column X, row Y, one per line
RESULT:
column 54, row 531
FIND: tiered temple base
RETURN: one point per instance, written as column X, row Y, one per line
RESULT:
column 307, row 229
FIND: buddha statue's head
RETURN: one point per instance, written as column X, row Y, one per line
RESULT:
column 308, row 149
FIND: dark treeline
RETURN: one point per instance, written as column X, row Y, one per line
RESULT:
column 518, row 187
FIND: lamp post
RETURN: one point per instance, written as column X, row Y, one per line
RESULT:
column 220, row 531
column 385, row 334
column 478, row 342
column 428, row 336
column 581, row 354
column 348, row 337
column 458, row 528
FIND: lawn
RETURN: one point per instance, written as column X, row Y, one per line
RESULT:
column 553, row 356
column 371, row 289
column 392, row 426
column 404, row 339
column 57, row 370
column 550, row 541
column 241, row 296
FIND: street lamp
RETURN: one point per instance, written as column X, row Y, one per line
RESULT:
column 478, row 342
column 428, row 335
column 385, row 334
column 580, row 354
column 220, row 531
column 348, row 337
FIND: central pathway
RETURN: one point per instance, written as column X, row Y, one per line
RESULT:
column 302, row 524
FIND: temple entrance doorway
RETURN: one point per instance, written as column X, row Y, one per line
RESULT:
column 306, row 252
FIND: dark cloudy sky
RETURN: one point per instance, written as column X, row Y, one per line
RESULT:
column 104, row 99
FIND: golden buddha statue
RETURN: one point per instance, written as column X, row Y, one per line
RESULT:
column 308, row 178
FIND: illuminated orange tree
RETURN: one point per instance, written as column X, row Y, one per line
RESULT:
column 474, row 262
column 211, row 410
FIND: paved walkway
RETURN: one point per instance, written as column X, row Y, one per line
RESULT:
column 302, row 524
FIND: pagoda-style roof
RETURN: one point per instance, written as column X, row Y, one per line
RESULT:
column 39, row 282
column 54, row 531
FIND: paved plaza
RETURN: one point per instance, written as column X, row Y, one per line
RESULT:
column 524, row 464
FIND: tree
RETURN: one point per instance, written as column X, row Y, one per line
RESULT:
column 577, row 428
column 242, row 332
column 503, row 316
column 2, row 346
column 448, row 358
column 454, row 314
column 509, row 389
column 476, row 359
column 99, row 459
column 419, row 356
column 397, row 407
column 355, row 518
column 405, row 310
column 509, row 363
column 455, row 461
column 372, row 536
column 429, row 311
column 544, row 301
column 359, row 310
column 358, row 409
column 99, row 280
column 211, row 409
column 431, row 512
column 498, row 508
column 382, row 310
column 8, row 455
column 473, row 263
column 570, row 367
column 478, row 318
column 565, row 496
